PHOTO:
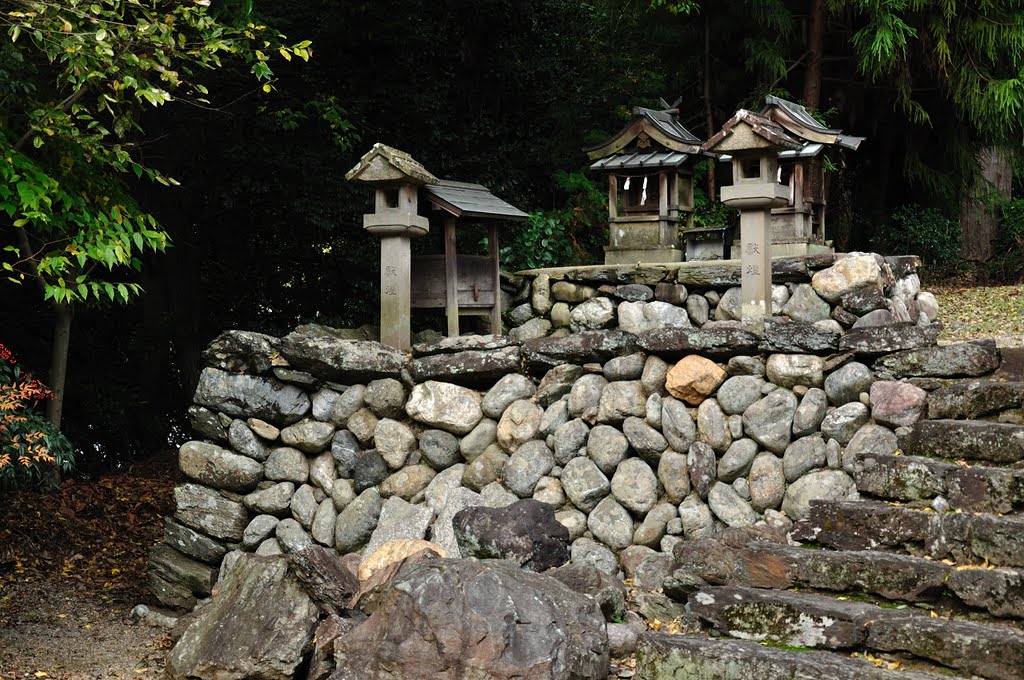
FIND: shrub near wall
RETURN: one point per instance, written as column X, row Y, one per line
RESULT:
column 642, row 430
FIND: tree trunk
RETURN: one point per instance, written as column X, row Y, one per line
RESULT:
column 59, row 361
column 815, row 50
column 979, row 223
column 709, row 118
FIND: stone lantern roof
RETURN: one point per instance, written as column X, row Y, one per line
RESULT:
column 749, row 131
column 383, row 164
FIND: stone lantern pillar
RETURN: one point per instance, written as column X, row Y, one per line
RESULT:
column 754, row 143
column 396, row 178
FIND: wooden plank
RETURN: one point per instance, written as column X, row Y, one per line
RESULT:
column 492, row 245
column 451, row 278
column 474, row 284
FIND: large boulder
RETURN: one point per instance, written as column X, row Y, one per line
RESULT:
column 476, row 619
column 579, row 348
column 636, row 317
column 719, row 343
column 210, row 512
column 259, row 625
column 831, row 485
column 769, row 421
column 694, row 378
column 897, row 404
column 974, row 398
column 473, row 367
column 525, row 532
column 241, row 351
column 875, row 340
column 847, row 275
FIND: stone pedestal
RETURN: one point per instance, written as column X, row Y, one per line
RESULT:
column 395, row 287
column 396, row 228
column 755, row 201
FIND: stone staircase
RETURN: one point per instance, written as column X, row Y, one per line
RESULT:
column 921, row 578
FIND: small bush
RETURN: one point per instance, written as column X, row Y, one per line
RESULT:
column 708, row 212
column 567, row 236
column 31, row 449
column 925, row 232
column 1007, row 265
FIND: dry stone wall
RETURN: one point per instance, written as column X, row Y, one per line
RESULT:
column 650, row 416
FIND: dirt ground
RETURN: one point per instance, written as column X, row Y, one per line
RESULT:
column 51, row 630
column 72, row 567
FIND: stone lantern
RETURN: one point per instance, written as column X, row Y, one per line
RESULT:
column 396, row 178
column 753, row 142
column 650, row 188
column 798, row 227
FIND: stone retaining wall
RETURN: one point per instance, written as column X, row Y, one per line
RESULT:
column 834, row 292
column 642, row 419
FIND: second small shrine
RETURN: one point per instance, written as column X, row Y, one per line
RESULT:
column 649, row 165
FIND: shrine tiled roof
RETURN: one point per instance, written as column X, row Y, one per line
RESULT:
column 640, row 161
column 668, row 123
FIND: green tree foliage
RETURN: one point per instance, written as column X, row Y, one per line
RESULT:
column 566, row 236
column 80, row 72
column 86, row 68
column 973, row 50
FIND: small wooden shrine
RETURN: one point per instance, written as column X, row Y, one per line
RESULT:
column 461, row 284
column 798, row 228
column 650, row 186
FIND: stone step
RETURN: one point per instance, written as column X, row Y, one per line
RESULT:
column 761, row 564
column 913, row 478
column 821, row 622
column 969, row 399
column 696, row 657
column 785, row 618
column 1001, row 443
column 966, row 537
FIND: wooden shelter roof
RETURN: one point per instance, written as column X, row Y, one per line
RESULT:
column 465, row 199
